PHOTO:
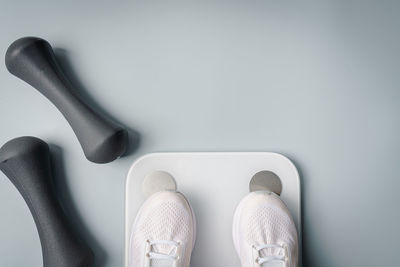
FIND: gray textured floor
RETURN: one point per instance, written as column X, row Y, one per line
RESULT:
column 316, row 81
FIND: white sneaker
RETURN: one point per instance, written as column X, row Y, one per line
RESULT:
column 163, row 234
column 264, row 233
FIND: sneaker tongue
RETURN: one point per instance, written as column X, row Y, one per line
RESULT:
column 161, row 263
column 164, row 249
column 271, row 252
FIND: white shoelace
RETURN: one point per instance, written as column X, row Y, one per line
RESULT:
column 161, row 256
column 273, row 258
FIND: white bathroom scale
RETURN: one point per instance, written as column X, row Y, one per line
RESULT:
column 214, row 183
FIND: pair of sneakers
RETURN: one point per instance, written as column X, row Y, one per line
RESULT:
column 164, row 232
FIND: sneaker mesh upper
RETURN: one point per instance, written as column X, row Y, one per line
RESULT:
column 262, row 218
column 164, row 216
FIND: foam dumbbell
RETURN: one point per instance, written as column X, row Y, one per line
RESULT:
column 26, row 162
column 32, row 60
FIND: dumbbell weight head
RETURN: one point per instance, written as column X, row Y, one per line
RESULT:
column 26, row 162
column 32, row 59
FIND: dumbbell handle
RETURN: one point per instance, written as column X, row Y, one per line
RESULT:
column 32, row 60
column 26, row 162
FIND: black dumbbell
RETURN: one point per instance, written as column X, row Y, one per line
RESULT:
column 26, row 162
column 32, row 60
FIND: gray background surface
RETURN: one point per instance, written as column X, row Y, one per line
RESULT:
column 317, row 81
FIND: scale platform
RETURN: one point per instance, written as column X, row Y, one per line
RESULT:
column 214, row 183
